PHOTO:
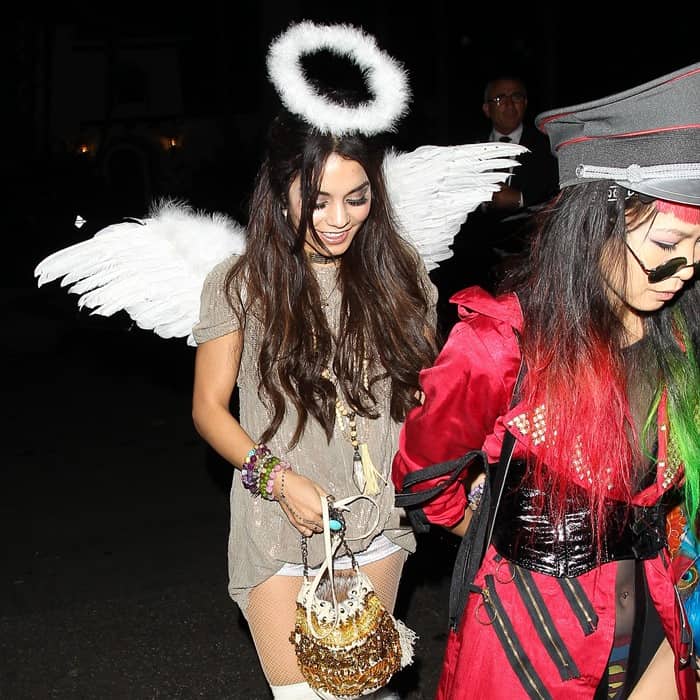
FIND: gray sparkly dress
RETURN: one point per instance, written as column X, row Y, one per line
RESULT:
column 261, row 539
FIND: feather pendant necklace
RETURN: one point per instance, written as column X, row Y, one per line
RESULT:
column 364, row 474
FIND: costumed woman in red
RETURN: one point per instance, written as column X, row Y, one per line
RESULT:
column 577, row 591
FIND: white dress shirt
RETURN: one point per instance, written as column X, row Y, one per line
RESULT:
column 514, row 137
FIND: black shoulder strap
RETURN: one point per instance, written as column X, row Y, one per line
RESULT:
column 500, row 473
column 478, row 536
column 453, row 467
column 411, row 502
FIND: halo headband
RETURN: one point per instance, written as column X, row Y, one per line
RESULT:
column 386, row 79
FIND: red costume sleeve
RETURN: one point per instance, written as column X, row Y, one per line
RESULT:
column 466, row 390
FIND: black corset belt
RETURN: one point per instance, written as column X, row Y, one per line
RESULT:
column 526, row 534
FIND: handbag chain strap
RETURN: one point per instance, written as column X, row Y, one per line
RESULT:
column 336, row 514
column 332, row 509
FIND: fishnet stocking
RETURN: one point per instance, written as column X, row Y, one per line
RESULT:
column 271, row 608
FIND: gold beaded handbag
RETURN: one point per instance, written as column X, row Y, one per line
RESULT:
column 347, row 643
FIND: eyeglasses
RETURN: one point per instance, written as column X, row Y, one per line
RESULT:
column 515, row 97
column 665, row 270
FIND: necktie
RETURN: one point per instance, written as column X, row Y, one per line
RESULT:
column 507, row 139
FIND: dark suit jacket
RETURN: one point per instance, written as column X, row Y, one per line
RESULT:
column 491, row 239
column 537, row 176
column 537, row 179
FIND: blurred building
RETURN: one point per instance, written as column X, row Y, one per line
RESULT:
column 109, row 117
column 107, row 112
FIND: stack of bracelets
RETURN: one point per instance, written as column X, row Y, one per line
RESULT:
column 259, row 470
column 474, row 497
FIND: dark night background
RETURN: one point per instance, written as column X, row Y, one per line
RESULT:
column 74, row 81
column 113, row 511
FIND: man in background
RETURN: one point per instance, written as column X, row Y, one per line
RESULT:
column 534, row 181
column 496, row 234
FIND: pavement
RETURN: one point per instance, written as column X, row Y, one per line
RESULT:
column 114, row 516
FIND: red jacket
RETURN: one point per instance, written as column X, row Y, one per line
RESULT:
column 466, row 407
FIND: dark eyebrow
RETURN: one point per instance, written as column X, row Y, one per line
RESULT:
column 353, row 191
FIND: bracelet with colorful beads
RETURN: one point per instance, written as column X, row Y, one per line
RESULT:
column 259, row 470
column 266, row 489
column 250, row 469
column 266, row 468
column 474, row 496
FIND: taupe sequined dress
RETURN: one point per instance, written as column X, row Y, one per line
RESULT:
column 261, row 539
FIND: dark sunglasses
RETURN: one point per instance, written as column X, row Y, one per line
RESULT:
column 665, row 270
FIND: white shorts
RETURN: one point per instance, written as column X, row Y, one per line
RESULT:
column 379, row 548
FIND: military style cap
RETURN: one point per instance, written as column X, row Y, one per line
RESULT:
column 646, row 139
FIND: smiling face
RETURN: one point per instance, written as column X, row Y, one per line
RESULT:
column 342, row 206
column 654, row 239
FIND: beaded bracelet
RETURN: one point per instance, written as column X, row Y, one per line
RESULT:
column 264, row 471
column 250, row 469
column 279, row 467
column 259, row 470
column 474, row 496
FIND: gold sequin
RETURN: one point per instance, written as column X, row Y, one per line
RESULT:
column 361, row 653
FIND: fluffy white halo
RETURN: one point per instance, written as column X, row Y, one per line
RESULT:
column 386, row 79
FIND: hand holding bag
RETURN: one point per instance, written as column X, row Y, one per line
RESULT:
column 350, row 647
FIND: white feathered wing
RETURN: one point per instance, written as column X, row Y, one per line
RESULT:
column 434, row 188
column 153, row 268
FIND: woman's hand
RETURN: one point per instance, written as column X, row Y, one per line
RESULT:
column 462, row 526
column 300, row 499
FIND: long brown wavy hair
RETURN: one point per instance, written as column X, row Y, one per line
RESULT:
column 384, row 314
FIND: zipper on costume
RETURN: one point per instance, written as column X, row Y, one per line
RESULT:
column 585, row 613
column 544, row 624
column 519, row 660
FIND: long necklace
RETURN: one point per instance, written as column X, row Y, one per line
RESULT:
column 326, row 296
column 364, row 474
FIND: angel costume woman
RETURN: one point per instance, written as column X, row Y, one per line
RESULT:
column 324, row 318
